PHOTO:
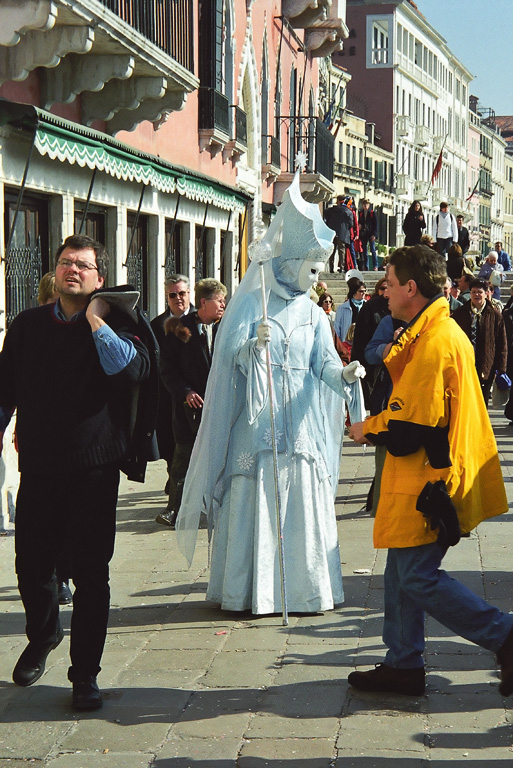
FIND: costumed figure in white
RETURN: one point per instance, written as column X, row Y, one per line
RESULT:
column 232, row 470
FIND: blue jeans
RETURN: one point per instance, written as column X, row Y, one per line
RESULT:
column 374, row 259
column 414, row 584
column 443, row 244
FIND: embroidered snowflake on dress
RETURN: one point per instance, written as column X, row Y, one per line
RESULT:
column 245, row 461
column 300, row 444
column 268, row 439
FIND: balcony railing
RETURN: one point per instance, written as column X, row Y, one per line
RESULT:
column 241, row 127
column 308, row 135
column 382, row 185
column 421, row 135
column 485, row 188
column 167, row 24
column 403, row 125
column 402, row 185
column 213, row 110
column 271, row 152
column 353, row 172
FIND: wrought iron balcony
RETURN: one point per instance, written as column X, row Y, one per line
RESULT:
column 308, row 135
column 271, row 152
column 167, row 24
column 241, row 127
column 129, row 60
column 213, row 111
column 309, row 138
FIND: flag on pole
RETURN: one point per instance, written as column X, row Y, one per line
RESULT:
column 438, row 167
column 473, row 191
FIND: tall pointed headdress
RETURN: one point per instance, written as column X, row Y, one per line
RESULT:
column 304, row 235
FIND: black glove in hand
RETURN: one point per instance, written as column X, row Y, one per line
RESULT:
column 435, row 504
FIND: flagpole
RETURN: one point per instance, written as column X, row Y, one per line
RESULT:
column 468, row 200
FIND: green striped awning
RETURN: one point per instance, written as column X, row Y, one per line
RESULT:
column 63, row 140
column 59, row 143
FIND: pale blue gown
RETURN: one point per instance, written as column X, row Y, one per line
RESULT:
column 245, row 567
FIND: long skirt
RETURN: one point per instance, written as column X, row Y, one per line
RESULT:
column 245, row 570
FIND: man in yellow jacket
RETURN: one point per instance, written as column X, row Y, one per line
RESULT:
column 441, row 459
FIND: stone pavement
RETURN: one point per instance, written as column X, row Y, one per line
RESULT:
column 188, row 685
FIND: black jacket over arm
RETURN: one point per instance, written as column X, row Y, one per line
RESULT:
column 70, row 414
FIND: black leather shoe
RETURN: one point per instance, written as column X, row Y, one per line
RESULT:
column 86, row 695
column 168, row 517
column 31, row 664
column 505, row 658
column 64, row 595
column 383, row 679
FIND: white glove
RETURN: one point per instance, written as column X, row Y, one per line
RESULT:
column 263, row 334
column 353, row 371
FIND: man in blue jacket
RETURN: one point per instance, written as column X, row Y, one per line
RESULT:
column 502, row 257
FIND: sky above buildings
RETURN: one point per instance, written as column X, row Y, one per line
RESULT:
column 479, row 34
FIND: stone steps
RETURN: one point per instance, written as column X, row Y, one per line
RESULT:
column 337, row 285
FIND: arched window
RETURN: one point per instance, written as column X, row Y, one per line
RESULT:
column 216, row 63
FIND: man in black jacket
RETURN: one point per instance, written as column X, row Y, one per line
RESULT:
column 186, row 359
column 75, row 429
column 178, row 300
column 369, row 317
column 463, row 236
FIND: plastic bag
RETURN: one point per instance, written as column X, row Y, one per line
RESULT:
column 499, row 396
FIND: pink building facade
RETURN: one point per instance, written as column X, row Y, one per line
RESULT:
column 166, row 130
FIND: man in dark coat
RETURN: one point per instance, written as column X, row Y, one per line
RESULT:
column 369, row 317
column 186, row 359
column 178, row 305
column 463, row 236
column 76, row 428
column 340, row 219
column 485, row 328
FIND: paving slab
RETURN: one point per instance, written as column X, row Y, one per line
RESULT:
column 395, row 731
column 100, row 760
column 195, row 752
column 287, row 753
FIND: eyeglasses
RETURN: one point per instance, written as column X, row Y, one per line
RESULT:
column 327, row 301
column 82, row 266
column 174, row 294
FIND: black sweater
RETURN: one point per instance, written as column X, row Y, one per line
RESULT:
column 70, row 414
